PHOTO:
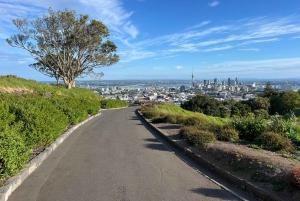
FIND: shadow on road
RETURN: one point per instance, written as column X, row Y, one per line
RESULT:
column 134, row 118
column 213, row 193
column 159, row 147
column 152, row 140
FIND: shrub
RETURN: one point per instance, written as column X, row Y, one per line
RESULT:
column 295, row 177
column 42, row 121
column 186, row 130
column 261, row 113
column 202, row 124
column 106, row 104
column 158, row 120
column 228, row 134
column 149, row 112
column 14, row 155
column 194, row 121
column 274, row 141
column 289, row 127
column 171, row 118
column 249, row 127
column 197, row 137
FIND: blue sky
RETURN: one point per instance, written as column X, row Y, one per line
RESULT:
column 168, row 39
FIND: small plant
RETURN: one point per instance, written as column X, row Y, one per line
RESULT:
column 295, row 177
column 274, row 141
column 228, row 134
column 255, row 146
column 195, row 136
column 278, row 185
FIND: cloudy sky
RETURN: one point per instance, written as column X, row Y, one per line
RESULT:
column 170, row 39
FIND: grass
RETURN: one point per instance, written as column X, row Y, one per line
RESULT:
column 14, row 84
column 169, row 108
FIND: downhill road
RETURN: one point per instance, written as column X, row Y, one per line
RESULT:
column 115, row 157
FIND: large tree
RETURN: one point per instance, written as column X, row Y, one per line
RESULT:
column 65, row 46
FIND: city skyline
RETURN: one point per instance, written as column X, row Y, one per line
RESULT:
column 170, row 39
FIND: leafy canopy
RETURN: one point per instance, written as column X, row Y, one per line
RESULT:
column 65, row 46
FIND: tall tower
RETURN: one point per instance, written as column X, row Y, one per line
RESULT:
column 193, row 83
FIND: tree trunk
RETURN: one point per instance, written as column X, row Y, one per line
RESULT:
column 57, row 81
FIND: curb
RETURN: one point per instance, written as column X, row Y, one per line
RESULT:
column 245, row 185
column 12, row 183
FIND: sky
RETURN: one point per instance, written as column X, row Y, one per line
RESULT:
column 171, row 39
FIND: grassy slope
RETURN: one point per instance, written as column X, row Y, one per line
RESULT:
column 13, row 84
column 169, row 108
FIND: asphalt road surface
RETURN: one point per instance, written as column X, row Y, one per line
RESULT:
column 115, row 157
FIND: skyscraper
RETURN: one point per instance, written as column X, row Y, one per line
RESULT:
column 193, row 82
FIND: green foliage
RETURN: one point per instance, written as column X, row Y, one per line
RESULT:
column 261, row 113
column 259, row 103
column 30, row 120
column 274, row 141
column 106, row 104
column 249, row 127
column 197, row 137
column 228, row 134
column 290, row 128
column 203, row 104
column 240, row 109
column 284, row 102
column 14, row 155
column 42, row 122
column 81, row 44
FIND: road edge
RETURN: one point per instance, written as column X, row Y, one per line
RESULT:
column 14, row 182
column 245, row 185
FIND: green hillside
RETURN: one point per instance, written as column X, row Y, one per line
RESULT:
column 33, row 115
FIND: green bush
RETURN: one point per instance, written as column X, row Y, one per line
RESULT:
column 197, row 137
column 228, row 134
column 261, row 113
column 42, row 121
column 106, row 104
column 202, row 124
column 149, row 112
column 274, row 141
column 14, row 154
column 170, row 118
column 289, row 127
column 186, row 130
column 249, row 127
column 194, row 121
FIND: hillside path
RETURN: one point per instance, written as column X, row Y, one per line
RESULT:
column 115, row 157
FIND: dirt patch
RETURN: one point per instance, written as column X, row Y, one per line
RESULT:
column 266, row 169
column 14, row 90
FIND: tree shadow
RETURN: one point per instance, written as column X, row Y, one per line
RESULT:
column 151, row 140
column 213, row 193
column 134, row 118
column 159, row 147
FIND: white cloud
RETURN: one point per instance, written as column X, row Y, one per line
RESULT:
column 178, row 67
column 250, row 49
column 259, row 41
column 214, row 3
column 111, row 12
column 218, row 48
column 199, row 25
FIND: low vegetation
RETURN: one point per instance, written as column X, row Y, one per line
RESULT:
column 33, row 115
column 278, row 134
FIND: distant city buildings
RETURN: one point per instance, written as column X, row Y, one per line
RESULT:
column 153, row 91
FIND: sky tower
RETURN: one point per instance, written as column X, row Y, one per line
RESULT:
column 193, row 83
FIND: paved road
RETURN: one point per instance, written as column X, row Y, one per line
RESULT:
column 115, row 157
